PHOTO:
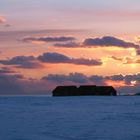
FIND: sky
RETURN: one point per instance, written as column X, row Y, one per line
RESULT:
column 47, row 43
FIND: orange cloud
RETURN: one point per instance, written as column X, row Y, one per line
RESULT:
column 137, row 39
column 126, row 60
column 115, row 83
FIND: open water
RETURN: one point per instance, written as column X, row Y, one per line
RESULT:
column 69, row 118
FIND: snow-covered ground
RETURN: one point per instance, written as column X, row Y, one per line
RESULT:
column 70, row 118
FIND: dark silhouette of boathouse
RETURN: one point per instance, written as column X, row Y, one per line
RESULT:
column 84, row 90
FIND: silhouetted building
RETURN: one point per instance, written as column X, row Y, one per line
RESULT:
column 84, row 90
column 87, row 90
column 106, row 90
column 65, row 91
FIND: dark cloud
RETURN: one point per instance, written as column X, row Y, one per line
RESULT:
column 119, row 77
column 55, row 77
column 78, row 79
column 27, row 62
column 72, row 77
column 60, row 58
column 18, row 84
column 11, row 75
column 129, row 89
column 49, row 39
column 9, row 84
column 68, row 45
column 75, row 78
column 132, row 77
column 54, row 58
column 96, row 78
column 12, row 83
column 31, row 62
column 88, row 62
column 6, row 70
column 138, row 51
column 109, row 41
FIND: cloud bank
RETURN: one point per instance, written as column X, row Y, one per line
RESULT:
column 28, row 62
column 68, row 45
column 70, row 42
column 60, row 58
column 123, row 83
column 31, row 62
column 12, row 83
column 108, row 41
column 48, row 39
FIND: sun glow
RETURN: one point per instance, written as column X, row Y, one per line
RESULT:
column 133, row 53
column 133, row 65
column 115, row 83
column 133, row 83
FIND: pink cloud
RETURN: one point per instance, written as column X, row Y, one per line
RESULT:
column 2, row 19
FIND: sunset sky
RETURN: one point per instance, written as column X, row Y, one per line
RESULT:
column 45, row 43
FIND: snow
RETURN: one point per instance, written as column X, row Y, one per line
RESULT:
column 69, row 118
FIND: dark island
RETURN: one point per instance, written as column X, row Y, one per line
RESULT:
column 84, row 90
column 137, row 94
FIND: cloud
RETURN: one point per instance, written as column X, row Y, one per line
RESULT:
column 109, row 41
column 12, row 83
column 72, row 77
column 88, row 62
column 127, row 60
column 2, row 19
column 9, row 84
column 54, row 58
column 129, row 78
column 6, row 70
column 28, row 62
column 18, row 84
column 116, row 58
column 127, row 83
column 31, row 62
column 118, row 77
column 48, row 39
column 137, row 39
column 68, row 45
column 69, row 42
column 60, row 58
column 96, row 79
column 138, row 51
